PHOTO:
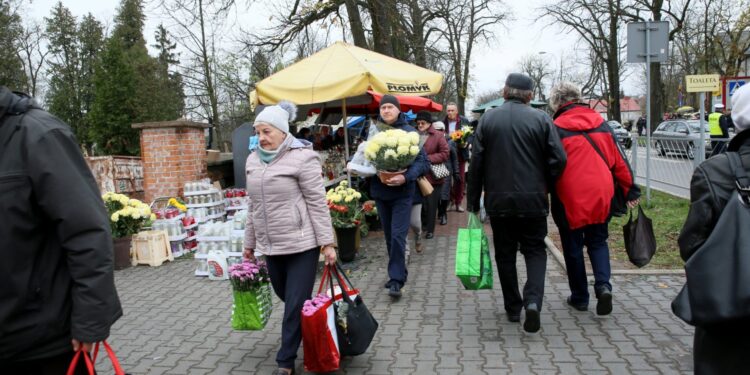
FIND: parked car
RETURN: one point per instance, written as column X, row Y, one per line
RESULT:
column 680, row 136
column 623, row 135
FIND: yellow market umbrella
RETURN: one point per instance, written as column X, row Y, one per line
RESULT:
column 343, row 70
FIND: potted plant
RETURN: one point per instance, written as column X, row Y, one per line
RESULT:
column 251, row 291
column 371, row 215
column 126, row 218
column 392, row 151
column 346, row 215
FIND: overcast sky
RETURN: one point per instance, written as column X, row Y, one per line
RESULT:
column 491, row 63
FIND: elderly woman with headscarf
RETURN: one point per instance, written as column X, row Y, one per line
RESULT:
column 288, row 219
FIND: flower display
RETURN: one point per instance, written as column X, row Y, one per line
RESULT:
column 392, row 150
column 461, row 136
column 312, row 305
column 126, row 216
column 248, row 275
column 343, row 203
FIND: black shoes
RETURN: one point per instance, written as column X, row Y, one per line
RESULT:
column 604, row 303
column 578, row 306
column 532, row 323
column 394, row 290
column 513, row 317
column 429, row 235
column 444, row 220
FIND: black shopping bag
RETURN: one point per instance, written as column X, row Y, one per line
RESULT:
column 355, row 325
column 640, row 242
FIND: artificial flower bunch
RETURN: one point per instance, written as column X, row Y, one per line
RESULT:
column 343, row 203
column 248, row 275
column 461, row 136
column 311, row 306
column 126, row 216
column 392, row 150
column 177, row 204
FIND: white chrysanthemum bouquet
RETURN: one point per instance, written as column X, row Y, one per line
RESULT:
column 392, row 150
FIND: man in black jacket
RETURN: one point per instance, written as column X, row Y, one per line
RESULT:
column 516, row 156
column 58, row 292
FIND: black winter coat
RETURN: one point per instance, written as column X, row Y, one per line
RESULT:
column 56, row 271
column 516, row 157
column 718, row 350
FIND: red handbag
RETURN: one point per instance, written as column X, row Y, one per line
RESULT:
column 90, row 360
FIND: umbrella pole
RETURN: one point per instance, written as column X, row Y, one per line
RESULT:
column 346, row 140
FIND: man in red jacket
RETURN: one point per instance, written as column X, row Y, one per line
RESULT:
column 583, row 193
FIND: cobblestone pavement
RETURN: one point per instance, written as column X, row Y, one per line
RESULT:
column 176, row 323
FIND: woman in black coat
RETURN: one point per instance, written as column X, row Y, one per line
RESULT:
column 718, row 349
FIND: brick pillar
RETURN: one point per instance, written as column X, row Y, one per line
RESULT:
column 173, row 153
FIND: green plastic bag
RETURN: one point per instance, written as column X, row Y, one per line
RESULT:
column 251, row 308
column 473, row 262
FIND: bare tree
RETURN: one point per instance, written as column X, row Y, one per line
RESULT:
column 467, row 23
column 598, row 24
column 657, row 10
column 539, row 71
column 33, row 53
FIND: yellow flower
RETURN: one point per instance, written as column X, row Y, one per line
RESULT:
column 390, row 154
column 134, row 202
column 414, row 138
column 357, row 195
column 404, row 141
column 115, row 217
column 372, row 147
column 344, row 183
column 335, row 198
column 414, row 150
column 392, row 142
column 153, row 217
column 348, row 199
column 402, row 150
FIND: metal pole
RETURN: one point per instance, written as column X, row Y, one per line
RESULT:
column 346, row 140
column 648, row 112
column 702, row 141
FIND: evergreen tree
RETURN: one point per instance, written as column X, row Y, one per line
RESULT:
column 12, row 74
column 170, row 87
column 63, row 96
column 114, row 107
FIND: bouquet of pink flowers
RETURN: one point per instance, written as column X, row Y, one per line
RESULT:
column 312, row 305
column 252, row 295
column 248, row 275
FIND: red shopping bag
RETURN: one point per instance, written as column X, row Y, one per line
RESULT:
column 90, row 361
column 319, row 339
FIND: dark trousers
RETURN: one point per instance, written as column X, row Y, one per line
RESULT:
column 443, row 208
column 395, row 215
column 293, row 280
column 458, row 190
column 718, row 146
column 57, row 365
column 429, row 208
column 527, row 234
column 594, row 237
column 722, row 351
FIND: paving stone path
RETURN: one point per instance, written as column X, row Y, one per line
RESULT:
column 176, row 323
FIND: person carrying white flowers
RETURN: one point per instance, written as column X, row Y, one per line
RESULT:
column 394, row 197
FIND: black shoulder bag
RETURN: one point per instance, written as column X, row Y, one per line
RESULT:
column 718, row 273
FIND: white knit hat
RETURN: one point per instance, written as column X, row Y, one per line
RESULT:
column 741, row 108
column 277, row 116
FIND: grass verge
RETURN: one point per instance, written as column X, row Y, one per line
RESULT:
column 668, row 214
